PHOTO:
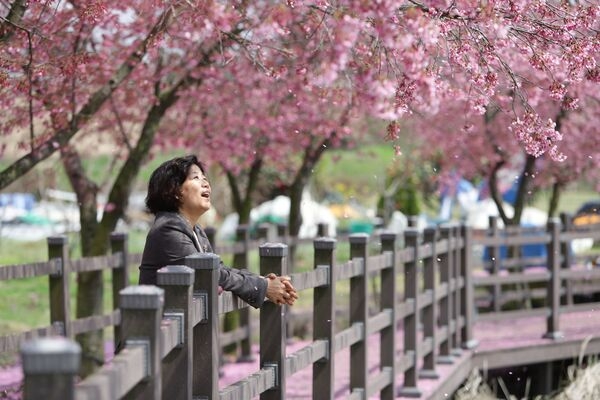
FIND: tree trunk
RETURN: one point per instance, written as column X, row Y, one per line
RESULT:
column 554, row 199
column 90, row 285
column 523, row 188
column 524, row 181
column 309, row 161
column 243, row 205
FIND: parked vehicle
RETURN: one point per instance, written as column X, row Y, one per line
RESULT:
column 588, row 213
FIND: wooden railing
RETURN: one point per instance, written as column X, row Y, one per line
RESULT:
column 171, row 331
column 58, row 269
column 511, row 282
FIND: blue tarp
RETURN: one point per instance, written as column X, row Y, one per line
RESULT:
column 23, row 201
column 527, row 250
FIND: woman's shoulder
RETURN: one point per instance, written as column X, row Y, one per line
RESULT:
column 168, row 217
column 165, row 221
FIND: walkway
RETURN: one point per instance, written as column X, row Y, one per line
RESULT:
column 501, row 344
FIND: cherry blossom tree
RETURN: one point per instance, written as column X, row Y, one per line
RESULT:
column 486, row 149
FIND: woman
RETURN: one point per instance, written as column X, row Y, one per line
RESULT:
column 178, row 194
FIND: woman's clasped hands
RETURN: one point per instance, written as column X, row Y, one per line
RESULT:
column 280, row 289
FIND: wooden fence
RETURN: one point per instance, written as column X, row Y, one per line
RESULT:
column 427, row 288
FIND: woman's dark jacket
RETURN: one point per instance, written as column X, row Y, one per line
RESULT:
column 170, row 240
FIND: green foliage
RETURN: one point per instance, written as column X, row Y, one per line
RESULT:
column 353, row 174
column 407, row 198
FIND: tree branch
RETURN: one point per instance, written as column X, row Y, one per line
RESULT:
column 12, row 21
column 94, row 103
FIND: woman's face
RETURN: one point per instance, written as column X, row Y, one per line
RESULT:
column 195, row 194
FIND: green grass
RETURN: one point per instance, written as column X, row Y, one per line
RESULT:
column 17, row 252
column 570, row 200
column 31, row 294
column 25, row 294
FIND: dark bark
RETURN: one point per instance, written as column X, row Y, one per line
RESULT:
column 557, row 188
column 489, row 116
column 243, row 205
column 309, row 161
column 90, row 291
column 494, row 193
column 523, row 188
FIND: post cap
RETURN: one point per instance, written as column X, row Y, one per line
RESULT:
column 142, row 297
column 57, row 240
column 430, row 231
column 51, row 355
column 273, row 250
column 118, row 236
column 388, row 236
column 324, row 243
column 411, row 232
column 358, row 238
column 203, row 261
column 175, row 275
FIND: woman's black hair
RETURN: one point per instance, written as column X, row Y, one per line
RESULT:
column 164, row 186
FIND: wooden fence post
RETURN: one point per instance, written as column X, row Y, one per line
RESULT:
column 177, row 281
column 282, row 233
column 467, row 292
column 430, row 312
column 324, row 320
column 322, row 229
column 457, row 290
column 120, row 278
column 211, row 234
column 411, row 321
column 553, row 296
column 205, row 359
column 141, row 316
column 50, row 365
column 567, row 256
column 262, row 232
column 240, row 257
column 389, row 302
column 272, row 321
column 446, row 344
column 60, row 299
column 241, row 262
column 495, row 259
column 359, row 314
column 413, row 221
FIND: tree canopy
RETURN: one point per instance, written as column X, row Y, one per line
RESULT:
column 93, row 65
